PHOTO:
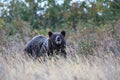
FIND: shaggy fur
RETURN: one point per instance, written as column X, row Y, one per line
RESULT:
column 37, row 47
column 40, row 45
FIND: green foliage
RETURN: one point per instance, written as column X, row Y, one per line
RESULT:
column 86, row 46
column 2, row 23
column 10, row 29
column 55, row 16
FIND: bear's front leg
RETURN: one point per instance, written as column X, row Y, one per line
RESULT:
column 50, row 53
column 64, row 54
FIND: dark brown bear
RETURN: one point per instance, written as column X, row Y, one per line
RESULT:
column 57, row 42
column 40, row 45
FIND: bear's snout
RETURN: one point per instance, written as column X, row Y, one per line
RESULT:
column 58, row 40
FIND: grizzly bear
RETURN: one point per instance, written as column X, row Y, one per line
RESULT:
column 42, row 46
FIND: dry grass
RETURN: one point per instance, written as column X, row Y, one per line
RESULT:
column 17, row 67
column 103, row 64
column 100, row 66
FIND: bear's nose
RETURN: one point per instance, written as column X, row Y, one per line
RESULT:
column 58, row 39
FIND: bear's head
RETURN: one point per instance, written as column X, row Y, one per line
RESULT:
column 57, row 40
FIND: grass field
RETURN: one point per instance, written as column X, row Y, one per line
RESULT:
column 91, row 56
column 17, row 67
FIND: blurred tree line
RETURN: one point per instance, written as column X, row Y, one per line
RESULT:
column 42, row 14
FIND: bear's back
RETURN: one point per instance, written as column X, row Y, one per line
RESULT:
column 37, row 45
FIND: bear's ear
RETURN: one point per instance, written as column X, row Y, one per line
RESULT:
column 63, row 33
column 50, row 33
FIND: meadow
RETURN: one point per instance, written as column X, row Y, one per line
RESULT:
column 93, row 54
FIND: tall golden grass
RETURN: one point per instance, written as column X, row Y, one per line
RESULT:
column 102, row 64
column 17, row 67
